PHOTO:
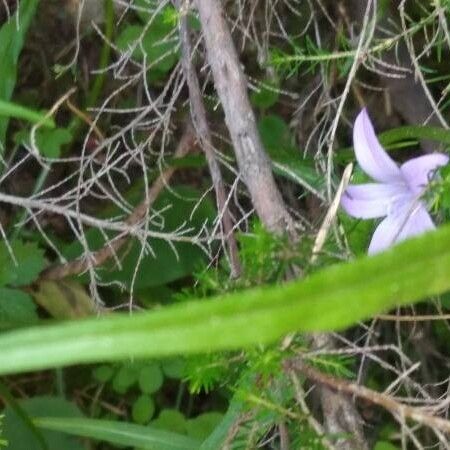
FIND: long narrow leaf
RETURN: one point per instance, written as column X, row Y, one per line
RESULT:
column 12, row 38
column 331, row 299
column 8, row 109
column 120, row 433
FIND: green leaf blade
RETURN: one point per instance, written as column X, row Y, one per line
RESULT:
column 332, row 299
column 119, row 433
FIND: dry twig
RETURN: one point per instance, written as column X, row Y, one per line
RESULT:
column 399, row 410
column 109, row 250
column 203, row 132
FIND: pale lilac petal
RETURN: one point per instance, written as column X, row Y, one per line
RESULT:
column 372, row 200
column 407, row 221
column 418, row 223
column 418, row 171
column 370, row 155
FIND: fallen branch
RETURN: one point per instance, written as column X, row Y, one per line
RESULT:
column 202, row 130
column 231, row 85
column 100, row 256
column 255, row 169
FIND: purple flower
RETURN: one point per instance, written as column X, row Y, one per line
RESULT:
column 397, row 194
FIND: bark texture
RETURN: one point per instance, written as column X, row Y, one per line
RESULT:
column 231, row 84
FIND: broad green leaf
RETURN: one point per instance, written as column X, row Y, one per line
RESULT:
column 119, row 433
column 162, row 265
column 331, row 299
column 9, row 109
column 20, row 436
column 16, row 308
column 29, row 261
column 12, row 37
column 287, row 161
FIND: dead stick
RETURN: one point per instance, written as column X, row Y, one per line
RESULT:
column 201, row 126
column 231, row 85
column 98, row 257
column 255, row 169
column 397, row 409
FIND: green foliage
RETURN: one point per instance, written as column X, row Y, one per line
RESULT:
column 48, row 142
column 326, row 300
column 143, row 409
column 287, row 160
column 159, row 41
column 119, row 433
column 266, row 95
column 3, row 442
column 162, row 262
column 16, row 308
column 20, row 437
column 9, row 109
column 150, row 378
column 19, row 265
column 12, row 37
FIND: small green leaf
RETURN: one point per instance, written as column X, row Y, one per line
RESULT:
column 266, row 95
column 170, row 420
column 103, row 373
column 203, row 425
column 143, row 409
column 174, row 367
column 150, row 378
column 125, row 377
column 29, row 262
column 16, row 308
column 275, row 133
column 159, row 41
column 50, row 142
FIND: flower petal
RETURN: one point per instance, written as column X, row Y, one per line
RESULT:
column 368, row 201
column 418, row 171
column 410, row 220
column 370, row 155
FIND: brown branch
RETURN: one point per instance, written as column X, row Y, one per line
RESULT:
column 399, row 410
column 255, row 169
column 201, row 126
column 98, row 257
column 231, row 85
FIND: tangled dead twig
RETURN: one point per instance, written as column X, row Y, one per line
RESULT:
column 139, row 213
column 399, row 410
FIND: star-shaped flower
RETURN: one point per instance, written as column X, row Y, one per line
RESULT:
column 397, row 195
